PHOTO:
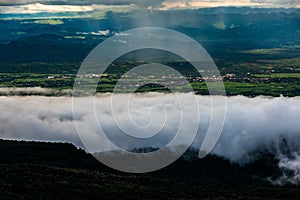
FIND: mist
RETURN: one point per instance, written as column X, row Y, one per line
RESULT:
column 251, row 124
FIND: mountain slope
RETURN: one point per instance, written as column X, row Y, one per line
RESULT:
column 34, row 170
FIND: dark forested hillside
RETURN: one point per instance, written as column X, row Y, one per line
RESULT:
column 33, row 170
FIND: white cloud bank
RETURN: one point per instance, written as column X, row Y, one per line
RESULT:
column 251, row 124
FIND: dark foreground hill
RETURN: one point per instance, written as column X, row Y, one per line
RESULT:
column 32, row 170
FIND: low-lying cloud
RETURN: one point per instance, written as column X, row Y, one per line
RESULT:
column 250, row 125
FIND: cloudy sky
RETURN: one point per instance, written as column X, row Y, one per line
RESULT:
column 35, row 6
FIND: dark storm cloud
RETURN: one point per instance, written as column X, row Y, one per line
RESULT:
column 142, row 3
column 162, row 4
column 276, row 1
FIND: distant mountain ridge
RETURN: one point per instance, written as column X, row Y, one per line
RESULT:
column 219, row 30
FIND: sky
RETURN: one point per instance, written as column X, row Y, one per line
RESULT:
column 35, row 6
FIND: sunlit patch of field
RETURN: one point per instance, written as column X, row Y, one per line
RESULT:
column 49, row 21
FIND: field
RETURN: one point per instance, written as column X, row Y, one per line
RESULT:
column 262, row 77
